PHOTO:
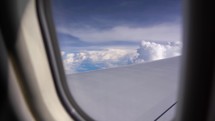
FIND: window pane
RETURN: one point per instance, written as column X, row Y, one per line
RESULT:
column 106, row 47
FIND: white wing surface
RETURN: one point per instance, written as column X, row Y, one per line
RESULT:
column 140, row 92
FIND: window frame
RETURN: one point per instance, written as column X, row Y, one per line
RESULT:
column 44, row 12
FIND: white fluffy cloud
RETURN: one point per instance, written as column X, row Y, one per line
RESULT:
column 162, row 32
column 107, row 58
column 149, row 51
column 97, row 59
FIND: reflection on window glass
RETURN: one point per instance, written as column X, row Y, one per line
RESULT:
column 111, row 41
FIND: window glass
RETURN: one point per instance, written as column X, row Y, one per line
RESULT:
column 101, row 34
column 107, row 47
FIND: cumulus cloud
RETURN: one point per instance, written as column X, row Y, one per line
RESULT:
column 149, row 51
column 162, row 32
column 97, row 59
column 84, row 60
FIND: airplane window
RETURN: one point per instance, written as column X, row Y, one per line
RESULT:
column 121, row 57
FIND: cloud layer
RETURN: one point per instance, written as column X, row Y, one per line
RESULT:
column 161, row 32
column 97, row 59
column 88, row 60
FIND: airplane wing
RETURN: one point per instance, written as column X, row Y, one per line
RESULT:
column 146, row 91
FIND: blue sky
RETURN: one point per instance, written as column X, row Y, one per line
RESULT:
column 102, row 21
